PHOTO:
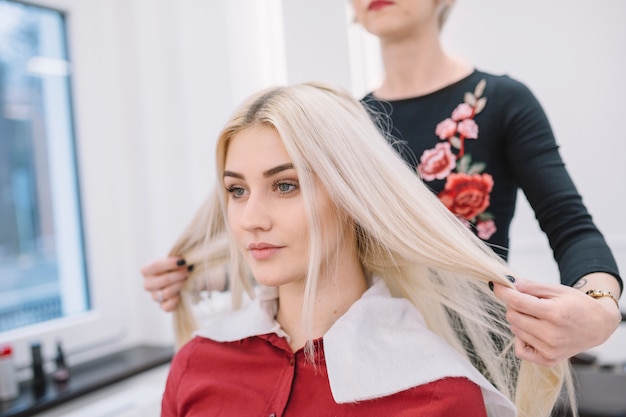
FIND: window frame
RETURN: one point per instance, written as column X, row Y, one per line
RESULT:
column 105, row 327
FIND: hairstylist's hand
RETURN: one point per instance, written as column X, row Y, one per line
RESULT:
column 164, row 278
column 552, row 322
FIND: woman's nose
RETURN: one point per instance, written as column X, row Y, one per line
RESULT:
column 256, row 214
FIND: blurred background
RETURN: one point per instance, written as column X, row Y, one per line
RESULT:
column 109, row 110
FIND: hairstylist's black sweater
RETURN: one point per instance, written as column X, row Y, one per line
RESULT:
column 476, row 142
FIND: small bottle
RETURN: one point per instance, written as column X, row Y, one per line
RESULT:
column 9, row 386
column 39, row 376
column 62, row 373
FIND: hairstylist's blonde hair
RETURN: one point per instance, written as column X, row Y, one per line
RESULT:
column 404, row 234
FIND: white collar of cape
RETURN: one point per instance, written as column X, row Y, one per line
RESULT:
column 379, row 347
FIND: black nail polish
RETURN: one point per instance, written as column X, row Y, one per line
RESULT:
column 190, row 268
column 491, row 286
column 180, row 262
column 510, row 278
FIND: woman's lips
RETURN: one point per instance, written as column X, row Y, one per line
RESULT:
column 262, row 251
column 379, row 4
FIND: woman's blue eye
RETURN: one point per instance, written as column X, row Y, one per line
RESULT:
column 236, row 192
column 285, row 187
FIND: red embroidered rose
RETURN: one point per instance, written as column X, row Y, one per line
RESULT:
column 446, row 129
column 468, row 128
column 437, row 163
column 462, row 111
column 467, row 195
column 486, row 229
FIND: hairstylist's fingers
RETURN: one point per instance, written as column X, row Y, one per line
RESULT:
column 160, row 266
column 165, row 279
column 551, row 347
column 547, row 339
column 540, row 289
column 159, row 282
column 515, row 299
column 170, row 304
column 526, row 351
column 167, row 293
column 554, row 326
column 523, row 321
column 548, row 328
column 167, row 297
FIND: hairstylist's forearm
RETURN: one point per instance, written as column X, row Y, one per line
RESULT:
column 599, row 281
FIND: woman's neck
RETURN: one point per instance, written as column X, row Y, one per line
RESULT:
column 334, row 297
column 417, row 66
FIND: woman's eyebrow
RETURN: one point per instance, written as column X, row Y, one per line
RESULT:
column 266, row 174
column 233, row 174
column 276, row 170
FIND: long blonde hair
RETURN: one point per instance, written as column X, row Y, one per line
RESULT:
column 404, row 234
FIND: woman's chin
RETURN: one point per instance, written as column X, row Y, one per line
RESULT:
column 275, row 279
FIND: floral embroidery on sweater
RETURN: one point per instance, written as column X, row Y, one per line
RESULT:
column 467, row 189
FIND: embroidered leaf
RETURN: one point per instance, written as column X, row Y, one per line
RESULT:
column 456, row 142
column 470, row 99
column 480, row 88
column 486, row 216
column 463, row 164
column 480, row 105
column 476, row 168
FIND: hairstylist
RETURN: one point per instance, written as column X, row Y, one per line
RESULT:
column 477, row 138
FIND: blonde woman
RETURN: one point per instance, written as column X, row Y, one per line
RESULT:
column 368, row 298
